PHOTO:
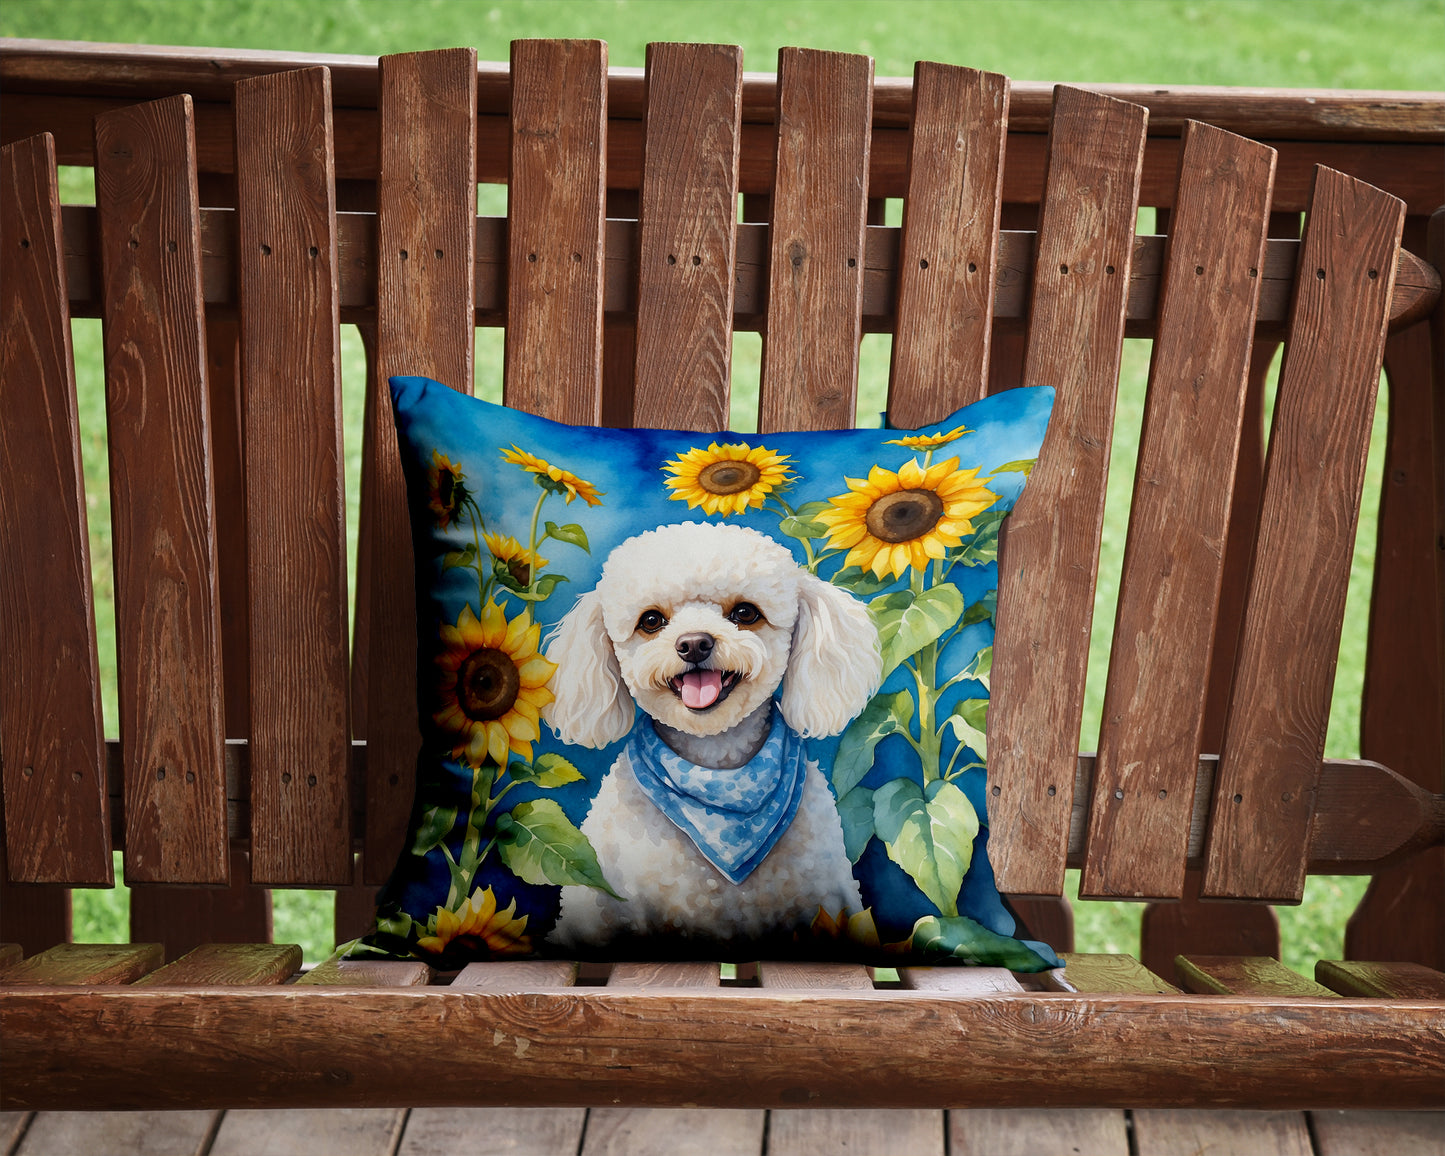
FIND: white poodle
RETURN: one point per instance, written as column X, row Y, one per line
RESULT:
column 712, row 823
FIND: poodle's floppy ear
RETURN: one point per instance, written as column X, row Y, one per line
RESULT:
column 835, row 664
column 592, row 707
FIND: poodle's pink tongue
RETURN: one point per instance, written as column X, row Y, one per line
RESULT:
column 700, row 688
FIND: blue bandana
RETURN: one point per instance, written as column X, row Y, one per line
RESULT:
column 734, row 817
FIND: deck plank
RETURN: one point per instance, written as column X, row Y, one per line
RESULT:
column 1169, row 1132
column 86, row 963
column 1381, row 980
column 12, row 1127
column 268, row 1132
column 515, row 1131
column 856, row 1131
column 674, row 1132
column 119, row 1133
column 1032, row 1131
column 1344, row 1133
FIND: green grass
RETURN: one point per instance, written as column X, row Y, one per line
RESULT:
column 1395, row 44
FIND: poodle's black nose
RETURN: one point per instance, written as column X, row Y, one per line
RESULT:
column 695, row 648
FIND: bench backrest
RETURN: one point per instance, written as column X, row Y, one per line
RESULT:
column 242, row 697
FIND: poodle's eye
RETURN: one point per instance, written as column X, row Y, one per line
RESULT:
column 651, row 621
column 744, row 614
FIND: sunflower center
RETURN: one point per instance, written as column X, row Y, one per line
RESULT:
column 904, row 515
column 728, row 477
column 487, row 684
column 520, row 571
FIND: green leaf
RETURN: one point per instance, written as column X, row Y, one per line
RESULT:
column 454, row 558
column 981, row 547
column 981, row 665
column 801, row 524
column 539, row 844
column 982, row 610
column 398, row 924
column 436, row 825
column 905, row 631
column 861, row 582
column 483, row 778
column 549, row 770
column 961, row 938
column 885, row 714
column 571, row 533
column 969, row 724
column 855, row 809
column 1023, row 466
column 545, row 585
column 929, row 833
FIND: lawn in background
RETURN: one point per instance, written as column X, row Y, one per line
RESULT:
column 1385, row 44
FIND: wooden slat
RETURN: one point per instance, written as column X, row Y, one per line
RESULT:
column 947, row 268
column 664, row 975
column 113, row 1045
column 555, row 206
column 354, row 914
column 1097, row 972
column 815, row 976
column 1032, row 1131
column 674, row 1132
column 816, row 258
column 336, row 972
column 1354, row 1133
column 10, row 953
column 1275, row 732
column 132, row 1133
column 1192, row 925
column 522, row 975
column 959, row 980
column 353, row 1131
column 57, row 826
column 1153, row 712
column 183, row 918
column 426, row 216
column 1172, row 1131
column 515, row 1131
column 687, row 236
column 300, row 816
column 1243, row 975
column 228, row 963
column 1382, row 980
column 12, row 1127
column 1050, row 558
column 168, row 632
column 86, row 963
column 34, row 915
column 871, row 1132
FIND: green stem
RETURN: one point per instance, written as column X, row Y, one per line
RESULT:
column 532, row 544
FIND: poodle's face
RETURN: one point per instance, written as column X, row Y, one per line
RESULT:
column 701, row 621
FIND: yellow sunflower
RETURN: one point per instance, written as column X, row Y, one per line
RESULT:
column 890, row 521
column 727, row 479
column 562, row 481
column 492, row 685
column 519, row 561
column 445, row 491
column 479, row 925
column 929, row 441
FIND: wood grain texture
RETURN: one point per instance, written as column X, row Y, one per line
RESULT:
column 1243, row 975
column 1172, row 1131
column 516, row 1131
column 1345, row 1133
column 129, row 1133
column 336, row 972
column 75, row 964
column 1190, row 925
column 1382, row 980
column 1275, row 732
column 555, row 207
column 715, row 1049
column 57, row 823
column 1153, row 714
column 1097, row 972
column 353, row 1131
column 300, row 743
column 1031, row 1131
column 168, row 631
column 674, row 1132
column 875, row 1132
column 1399, row 916
column 635, row 975
column 12, row 1127
column 959, row 980
column 34, row 915
column 1050, row 556
column 10, row 953
column 687, row 237
column 947, row 267
column 798, row 976
column 426, row 217
column 816, row 242
column 228, row 963
column 521, row 975
column 183, row 918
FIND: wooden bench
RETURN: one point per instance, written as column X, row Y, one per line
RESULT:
column 246, row 206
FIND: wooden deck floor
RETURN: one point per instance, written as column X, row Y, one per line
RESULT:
column 697, row 1132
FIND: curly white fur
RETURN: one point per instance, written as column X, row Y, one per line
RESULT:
column 814, row 639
